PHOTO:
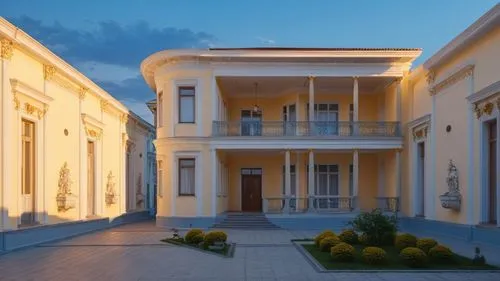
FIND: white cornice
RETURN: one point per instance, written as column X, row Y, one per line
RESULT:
column 456, row 75
column 484, row 24
column 19, row 87
column 87, row 119
column 485, row 92
column 419, row 121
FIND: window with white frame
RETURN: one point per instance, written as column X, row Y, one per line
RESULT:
column 351, row 179
column 187, row 176
column 292, row 180
column 187, row 104
column 326, row 184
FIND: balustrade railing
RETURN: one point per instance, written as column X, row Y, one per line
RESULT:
column 306, row 129
column 316, row 203
column 388, row 204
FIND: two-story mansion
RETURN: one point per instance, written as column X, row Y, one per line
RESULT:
column 290, row 130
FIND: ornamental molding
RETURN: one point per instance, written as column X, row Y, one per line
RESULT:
column 6, row 49
column 49, row 71
column 20, row 88
column 93, row 127
column 82, row 92
column 420, row 128
column 486, row 100
column 34, row 110
column 458, row 75
column 104, row 105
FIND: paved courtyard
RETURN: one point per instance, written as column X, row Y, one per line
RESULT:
column 133, row 252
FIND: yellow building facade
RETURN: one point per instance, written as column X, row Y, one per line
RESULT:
column 70, row 151
column 238, row 130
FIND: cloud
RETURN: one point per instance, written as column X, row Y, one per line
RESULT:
column 266, row 41
column 110, row 53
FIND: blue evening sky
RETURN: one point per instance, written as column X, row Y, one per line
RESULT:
column 107, row 40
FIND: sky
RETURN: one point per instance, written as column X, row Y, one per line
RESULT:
column 107, row 39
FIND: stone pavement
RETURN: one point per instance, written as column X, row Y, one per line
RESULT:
column 133, row 252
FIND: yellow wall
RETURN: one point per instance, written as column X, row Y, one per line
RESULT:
column 63, row 113
column 451, row 109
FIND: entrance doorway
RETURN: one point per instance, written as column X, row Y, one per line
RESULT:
column 251, row 190
column 28, row 172
column 90, row 178
column 492, row 175
column 421, row 180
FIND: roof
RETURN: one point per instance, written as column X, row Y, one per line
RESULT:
column 487, row 22
column 313, row 49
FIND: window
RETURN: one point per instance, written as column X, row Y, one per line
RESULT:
column 160, row 109
column 351, row 179
column 325, row 119
column 187, row 105
column 292, row 180
column 186, row 177
column 326, row 183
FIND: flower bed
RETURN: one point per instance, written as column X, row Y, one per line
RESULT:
column 212, row 242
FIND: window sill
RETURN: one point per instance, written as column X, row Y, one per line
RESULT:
column 186, row 195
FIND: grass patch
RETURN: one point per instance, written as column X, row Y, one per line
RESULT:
column 393, row 261
column 225, row 251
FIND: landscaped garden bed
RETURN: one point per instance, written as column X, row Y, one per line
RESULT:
column 373, row 244
column 214, row 242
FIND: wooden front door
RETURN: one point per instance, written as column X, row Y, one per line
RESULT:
column 492, row 175
column 90, row 179
column 28, row 173
column 251, row 190
column 421, row 179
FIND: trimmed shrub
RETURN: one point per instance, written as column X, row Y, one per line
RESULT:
column 349, row 236
column 440, row 254
column 377, row 226
column 215, row 236
column 198, row 238
column 343, row 252
column 413, row 257
column 322, row 235
column 190, row 236
column 425, row 244
column 374, row 255
column 328, row 242
column 405, row 240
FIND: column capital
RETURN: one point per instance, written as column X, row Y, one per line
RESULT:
column 6, row 49
column 311, row 77
column 355, row 78
column 48, row 71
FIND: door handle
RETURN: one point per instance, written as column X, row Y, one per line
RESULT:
column 251, row 195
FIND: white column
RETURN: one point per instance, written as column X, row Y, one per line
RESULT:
column 298, row 169
column 398, row 174
column 356, row 100
column 355, row 178
column 7, row 121
column 311, row 98
column 470, row 154
column 398, row 100
column 311, row 180
column 215, row 173
column 432, row 194
column 287, row 180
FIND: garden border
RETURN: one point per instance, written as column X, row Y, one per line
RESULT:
column 230, row 251
column 321, row 269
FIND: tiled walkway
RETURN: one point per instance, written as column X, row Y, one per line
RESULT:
column 133, row 252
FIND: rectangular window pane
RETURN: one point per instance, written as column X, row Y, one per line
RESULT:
column 186, row 176
column 186, row 107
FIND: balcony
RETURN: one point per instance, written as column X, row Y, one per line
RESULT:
column 306, row 129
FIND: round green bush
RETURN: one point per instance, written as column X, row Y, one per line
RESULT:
column 374, row 255
column 349, row 236
column 190, row 236
column 413, row 257
column 215, row 236
column 343, row 252
column 404, row 241
column 328, row 242
column 322, row 235
column 425, row 244
column 198, row 238
column 441, row 254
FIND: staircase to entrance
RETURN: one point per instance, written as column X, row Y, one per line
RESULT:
column 245, row 221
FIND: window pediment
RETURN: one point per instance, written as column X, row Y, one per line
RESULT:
column 29, row 99
column 93, row 127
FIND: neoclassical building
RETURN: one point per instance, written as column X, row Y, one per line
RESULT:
column 295, row 133
column 73, row 158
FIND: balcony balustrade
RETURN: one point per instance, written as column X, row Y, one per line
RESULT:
column 306, row 129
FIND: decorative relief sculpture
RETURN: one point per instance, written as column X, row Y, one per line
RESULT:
column 65, row 199
column 452, row 198
column 139, row 197
column 110, row 189
column 6, row 49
